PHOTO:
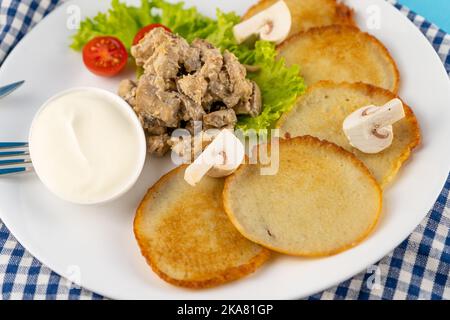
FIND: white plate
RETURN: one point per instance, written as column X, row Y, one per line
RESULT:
column 98, row 241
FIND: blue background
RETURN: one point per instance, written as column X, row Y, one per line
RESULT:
column 436, row 11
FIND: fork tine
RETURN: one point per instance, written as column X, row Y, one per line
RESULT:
column 14, row 158
column 23, row 161
column 14, row 152
column 10, row 154
column 19, row 166
column 7, row 145
column 14, row 170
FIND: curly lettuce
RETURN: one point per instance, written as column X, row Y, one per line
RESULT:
column 280, row 85
column 121, row 21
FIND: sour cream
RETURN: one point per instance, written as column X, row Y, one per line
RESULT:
column 87, row 146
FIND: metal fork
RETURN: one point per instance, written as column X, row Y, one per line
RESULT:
column 14, row 158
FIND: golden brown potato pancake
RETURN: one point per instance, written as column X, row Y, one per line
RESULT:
column 186, row 237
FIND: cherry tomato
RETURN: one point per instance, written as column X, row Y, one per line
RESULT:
column 143, row 32
column 105, row 56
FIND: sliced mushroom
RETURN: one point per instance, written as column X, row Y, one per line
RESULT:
column 220, row 119
column 252, row 107
column 272, row 24
column 153, row 101
column 152, row 126
column 158, row 145
column 369, row 129
column 189, row 147
column 127, row 91
column 220, row 158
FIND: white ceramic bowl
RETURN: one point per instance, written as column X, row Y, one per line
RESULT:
column 140, row 154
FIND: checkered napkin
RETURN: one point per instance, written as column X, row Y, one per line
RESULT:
column 418, row 269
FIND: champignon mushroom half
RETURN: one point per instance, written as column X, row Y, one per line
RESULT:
column 272, row 24
column 369, row 129
column 220, row 158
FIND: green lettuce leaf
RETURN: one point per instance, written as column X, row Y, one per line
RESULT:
column 121, row 21
column 280, row 85
column 188, row 23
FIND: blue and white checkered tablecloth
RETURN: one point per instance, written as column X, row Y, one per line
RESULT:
column 418, row 269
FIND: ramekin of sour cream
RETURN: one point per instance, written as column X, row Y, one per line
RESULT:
column 87, row 145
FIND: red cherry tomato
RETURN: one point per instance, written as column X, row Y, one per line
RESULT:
column 143, row 32
column 105, row 56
